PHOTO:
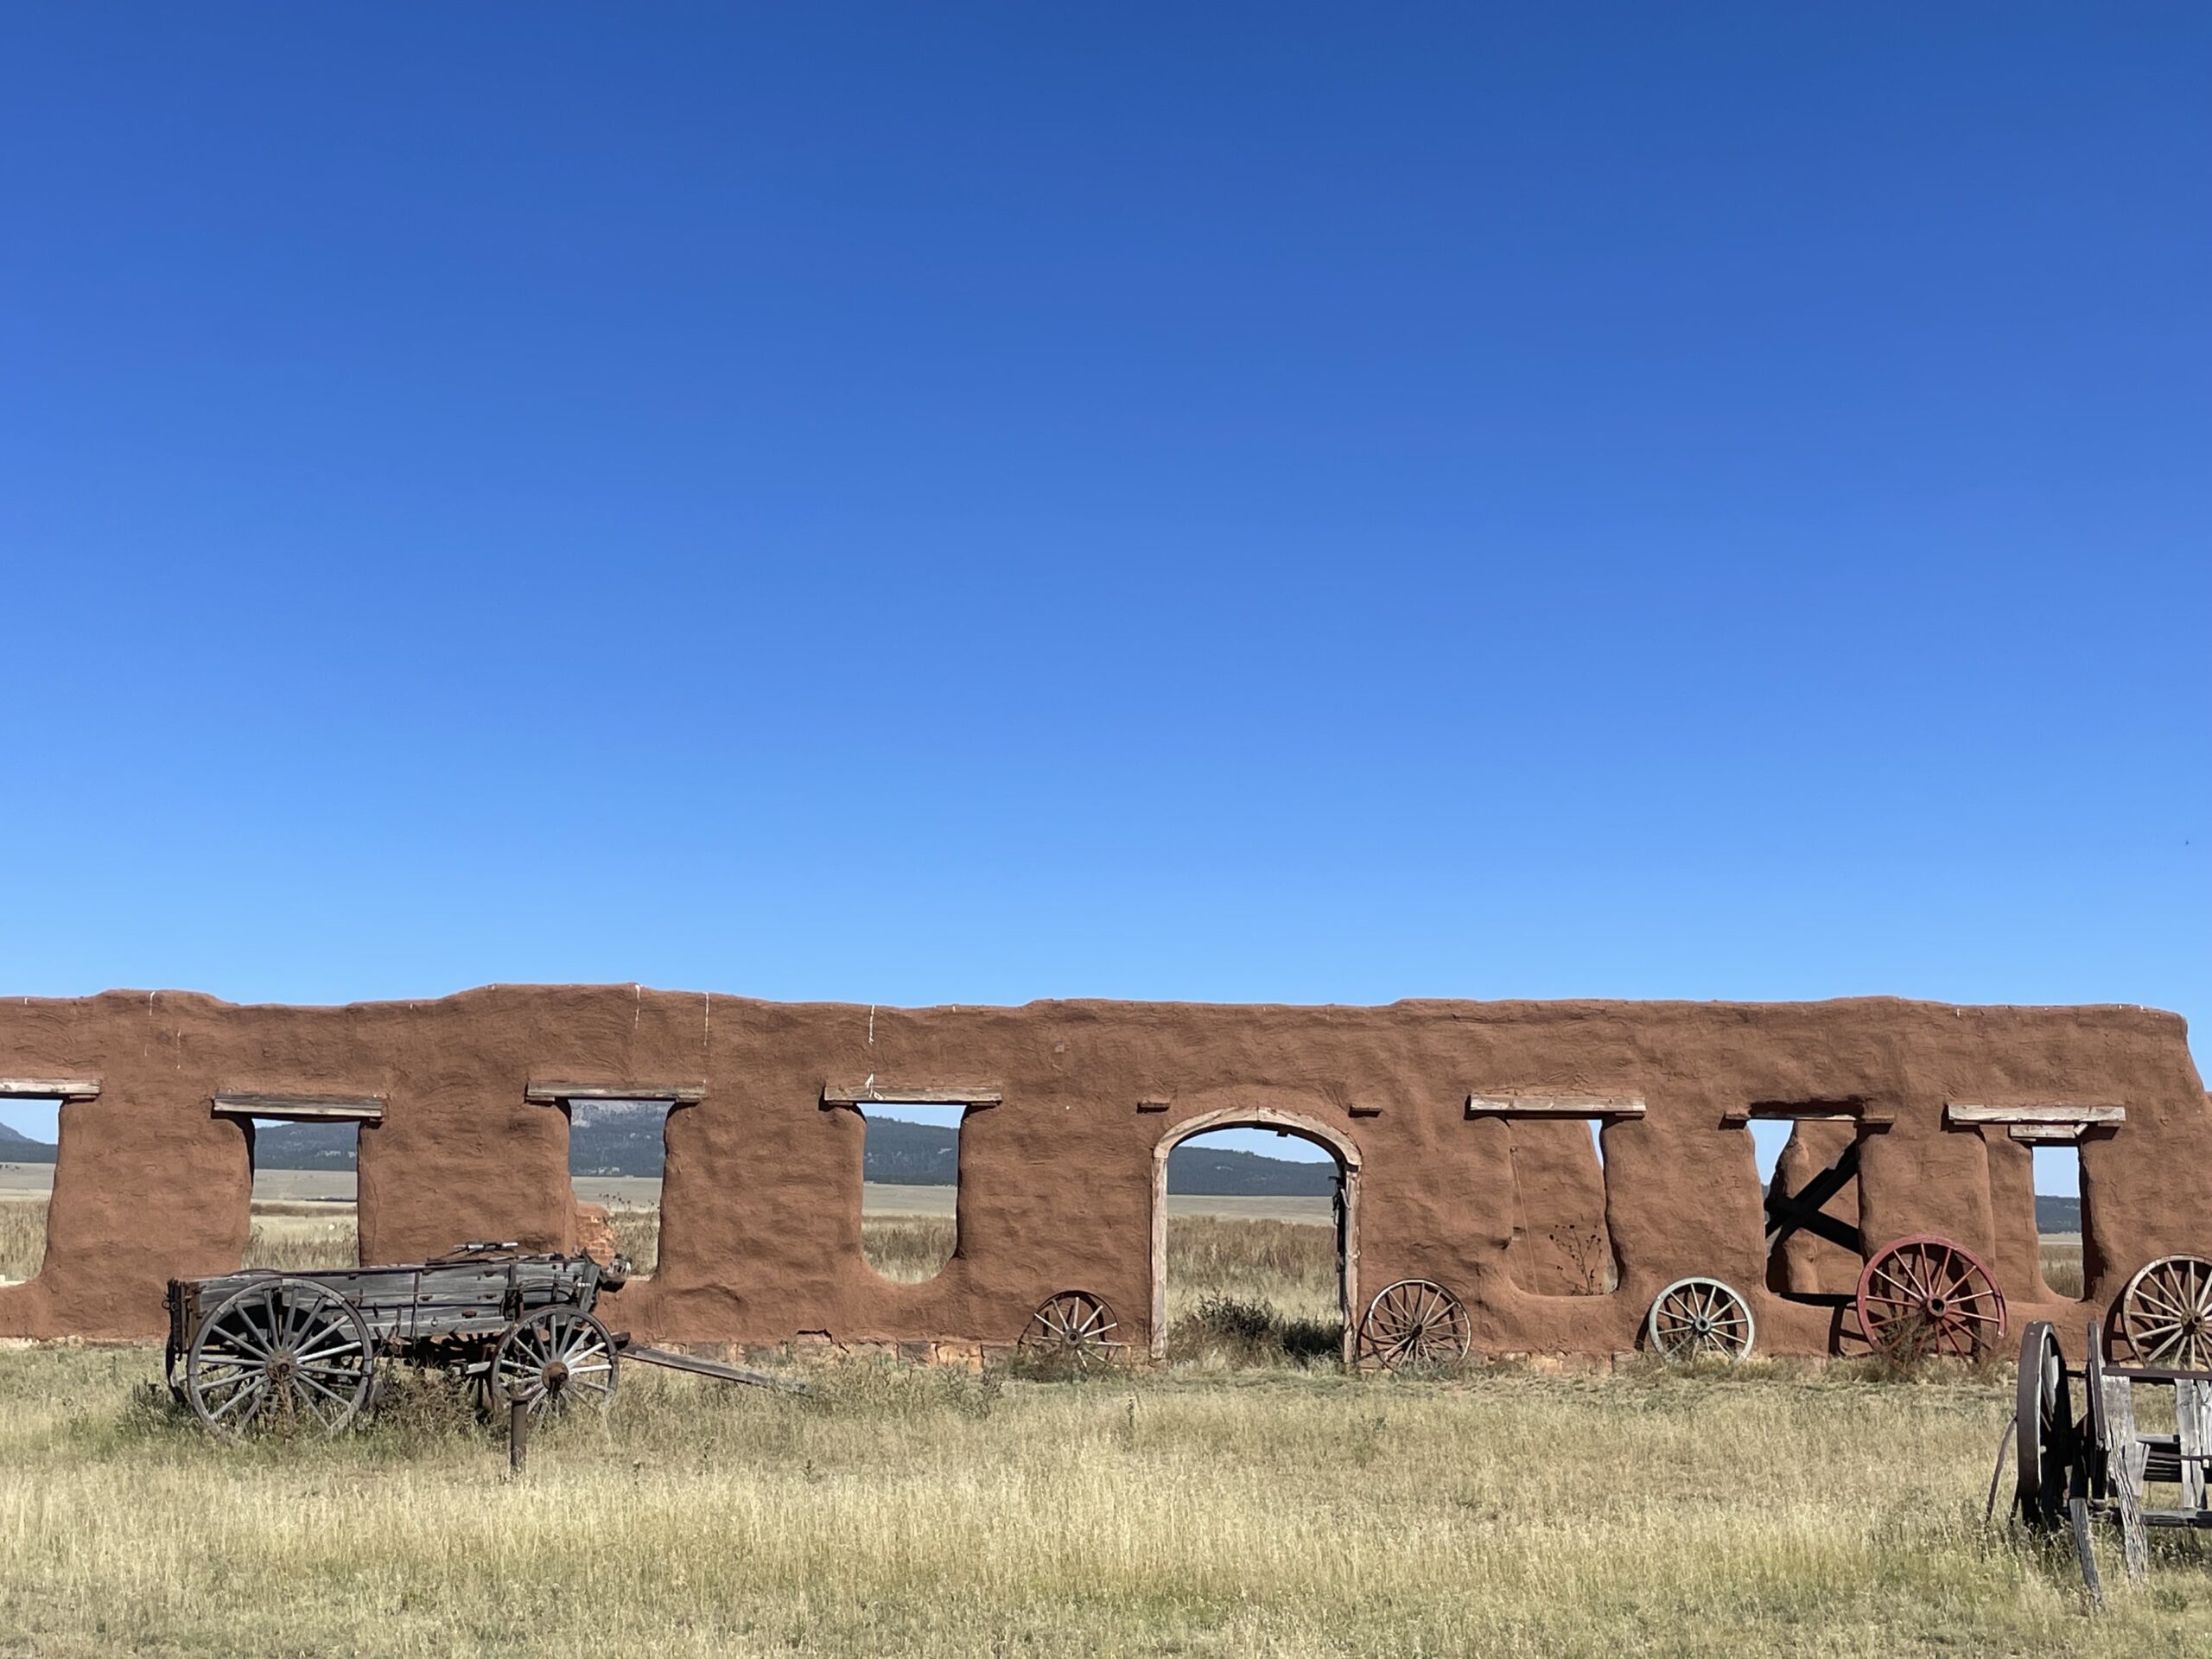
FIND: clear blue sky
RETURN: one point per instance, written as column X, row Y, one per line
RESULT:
column 922, row 504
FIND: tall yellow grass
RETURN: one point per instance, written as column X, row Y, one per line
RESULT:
column 923, row 1511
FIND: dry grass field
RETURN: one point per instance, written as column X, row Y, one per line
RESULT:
column 1243, row 1501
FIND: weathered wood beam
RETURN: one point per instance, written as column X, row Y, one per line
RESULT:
column 540, row 1093
column 1553, row 1106
column 2047, row 1135
column 1962, row 1112
column 49, row 1088
column 880, row 1094
column 1807, row 1112
column 335, row 1108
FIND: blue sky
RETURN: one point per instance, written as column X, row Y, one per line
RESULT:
column 980, row 504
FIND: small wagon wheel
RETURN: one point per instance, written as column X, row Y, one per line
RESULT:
column 1924, row 1296
column 281, row 1356
column 1074, row 1326
column 557, row 1357
column 2044, row 1430
column 2167, row 1312
column 1700, row 1318
column 1413, row 1323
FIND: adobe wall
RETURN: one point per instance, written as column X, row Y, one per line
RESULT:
column 760, row 1233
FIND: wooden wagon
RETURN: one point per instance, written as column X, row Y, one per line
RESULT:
column 260, row 1350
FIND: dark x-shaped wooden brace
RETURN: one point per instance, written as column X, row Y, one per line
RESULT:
column 1802, row 1210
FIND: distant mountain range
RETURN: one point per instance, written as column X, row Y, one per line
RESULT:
column 626, row 1140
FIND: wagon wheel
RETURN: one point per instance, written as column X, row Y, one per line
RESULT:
column 1074, row 1326
column 2044, row 1430
column 1924, row 1296
column 282, row 1355
column 1698, row 1319
column 2167, row 1312
column 557, row 1357
column 1413, row 1323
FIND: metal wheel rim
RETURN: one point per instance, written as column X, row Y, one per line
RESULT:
column 2043, row 1416
column 553, row 1360
column 281, row 1356
column 1414, row 1322
column 2165, row 1313
column 1926, row 1297
column 1075, row 1324
column 1697, row 1317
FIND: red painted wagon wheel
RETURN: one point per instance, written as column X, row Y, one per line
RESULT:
column 2167, row 1312
column 1924, row 1297
column 1412, row 1324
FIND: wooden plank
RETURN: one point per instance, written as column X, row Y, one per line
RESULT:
column 319, row 1109
column 698, row 1367
column 2046, row 1134
column 878, row 1094
column 1553, row 1106
column 2193, row 1417
column 1965, row 1112
column 540, row 1093
column 2127, row 1457
column 49, row 1089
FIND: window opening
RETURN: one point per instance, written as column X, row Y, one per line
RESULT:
column 30, row 1137
column 618, row 1159
column 304, row 1210
column 1562, row 1245
column 910, row 1191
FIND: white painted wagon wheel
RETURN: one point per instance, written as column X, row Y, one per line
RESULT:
column 1073, row 1325
column 1700, row 1319
column 2166, row 1313
column 282, row 1355
column 1413, row 1323
column 557, row 1357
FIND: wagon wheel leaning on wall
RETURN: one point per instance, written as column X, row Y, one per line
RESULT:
column 557, row 1357
column 282, row 1355
column 1700, row 1318
column 2166, row 1313
column 1924, row 1297
column 1413, row 1323
column 1075, row 1327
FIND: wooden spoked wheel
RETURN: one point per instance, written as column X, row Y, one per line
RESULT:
column 1700, row 1318
column 284, row 1357
column 2042, row 1422
column 1925, row 1297
column 1412, row 1324
column 1074, row 1327
column 2166, row 1313
column 558, row 1357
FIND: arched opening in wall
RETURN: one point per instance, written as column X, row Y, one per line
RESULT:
column 618, row 1165
column 910, row 1186
column 304, row 1150
column 1562, row 1245
column 30, row 1145
column 1254, row 1241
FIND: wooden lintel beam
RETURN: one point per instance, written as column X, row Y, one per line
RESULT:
column 1823, row 1111
column 332, row 1109
column 878, row 1094
column 1553, row 1106
column 2046, row 1134
column 49, row 1088
column 1962, row 1112
column 540, row 1093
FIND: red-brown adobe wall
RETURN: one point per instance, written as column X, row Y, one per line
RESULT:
column 760, row 1235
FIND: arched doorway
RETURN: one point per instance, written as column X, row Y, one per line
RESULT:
column 1332, row 1140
